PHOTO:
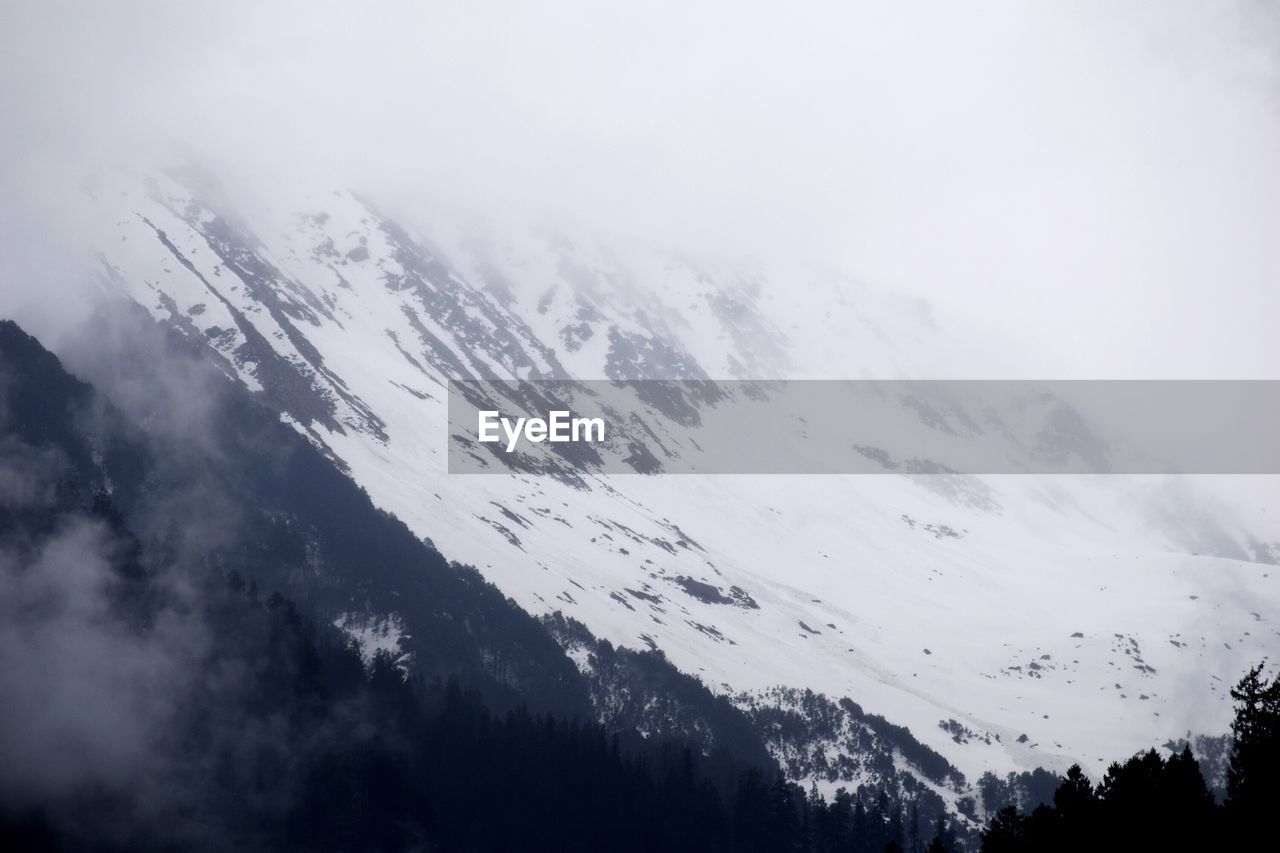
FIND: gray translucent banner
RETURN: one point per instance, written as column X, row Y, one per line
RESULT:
column 571, row 429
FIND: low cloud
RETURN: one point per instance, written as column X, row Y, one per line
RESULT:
column 1096, row 181
column 84, row 698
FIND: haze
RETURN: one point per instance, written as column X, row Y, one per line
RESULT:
column 1096, row 183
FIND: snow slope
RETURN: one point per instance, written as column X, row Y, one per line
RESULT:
column 1009, row 622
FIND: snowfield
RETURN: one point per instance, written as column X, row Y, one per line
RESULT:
column 1010, row 622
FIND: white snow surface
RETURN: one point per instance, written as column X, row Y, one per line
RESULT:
column 1093, row 615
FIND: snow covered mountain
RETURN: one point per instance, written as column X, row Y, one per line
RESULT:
column 1009, row 622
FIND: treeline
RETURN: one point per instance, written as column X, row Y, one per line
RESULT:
column 286, row 739
column 257, row 728
column 1151, row 802
column 168, row 702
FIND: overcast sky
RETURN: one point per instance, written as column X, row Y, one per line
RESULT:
column 1099, row 180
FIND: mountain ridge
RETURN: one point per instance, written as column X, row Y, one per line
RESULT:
column 388, row 321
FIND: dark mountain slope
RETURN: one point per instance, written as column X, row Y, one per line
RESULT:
column 236, row 488
column 211, row 478
column 251, row 728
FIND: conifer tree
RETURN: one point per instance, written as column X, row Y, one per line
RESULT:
column 1007, row 832
column 1253, row 776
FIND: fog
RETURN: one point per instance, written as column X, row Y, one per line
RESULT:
column 126, row 682
column 84, row 698
column 1096, row 182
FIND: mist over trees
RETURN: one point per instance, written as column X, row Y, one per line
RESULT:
column 160, row 692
